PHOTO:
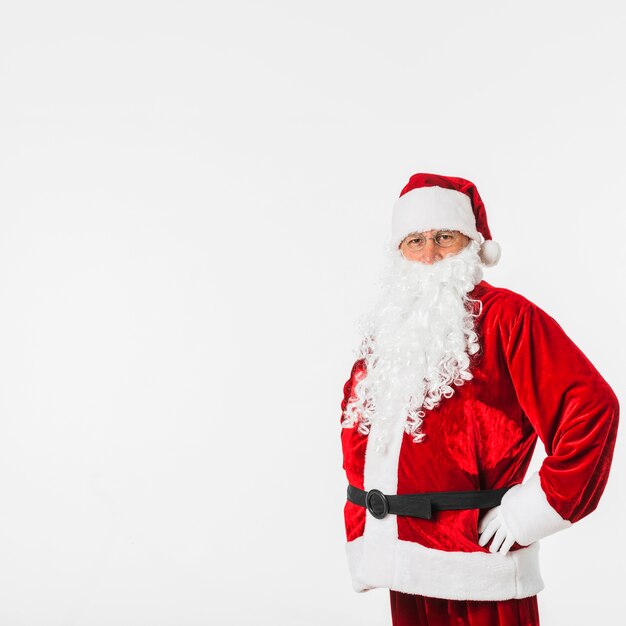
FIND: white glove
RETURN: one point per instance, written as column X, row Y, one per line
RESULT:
column 493, row 525
column 524, row 516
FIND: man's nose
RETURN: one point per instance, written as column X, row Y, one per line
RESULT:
column 431, row 253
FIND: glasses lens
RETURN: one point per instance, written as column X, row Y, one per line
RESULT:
column 445, row 240
column 416, row 243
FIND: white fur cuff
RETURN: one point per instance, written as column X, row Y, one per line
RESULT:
column 528, row 513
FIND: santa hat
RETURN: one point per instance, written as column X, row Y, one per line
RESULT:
column 435, row 202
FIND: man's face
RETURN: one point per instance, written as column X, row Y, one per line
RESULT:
column 432, row 245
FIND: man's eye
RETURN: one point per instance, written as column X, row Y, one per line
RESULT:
column 445, row 236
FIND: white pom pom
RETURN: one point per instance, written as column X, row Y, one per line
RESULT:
column 489, row 252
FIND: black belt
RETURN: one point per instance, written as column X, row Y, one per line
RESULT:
column 423, row 504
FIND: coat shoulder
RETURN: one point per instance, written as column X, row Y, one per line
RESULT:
column 503, row 304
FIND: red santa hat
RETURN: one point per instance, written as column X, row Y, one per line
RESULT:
column 435, row 202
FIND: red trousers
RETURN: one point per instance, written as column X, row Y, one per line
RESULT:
column 413, row 610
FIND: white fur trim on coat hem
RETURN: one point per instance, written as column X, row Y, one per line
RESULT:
column 406, row 566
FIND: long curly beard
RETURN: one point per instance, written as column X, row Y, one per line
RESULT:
column 417, row 342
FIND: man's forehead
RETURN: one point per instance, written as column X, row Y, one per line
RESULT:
column 432, row 231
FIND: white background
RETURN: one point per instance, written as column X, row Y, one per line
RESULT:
column 195, row 199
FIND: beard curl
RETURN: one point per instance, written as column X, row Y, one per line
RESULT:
column 417, row 342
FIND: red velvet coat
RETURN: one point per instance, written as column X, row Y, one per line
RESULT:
column 529, row 380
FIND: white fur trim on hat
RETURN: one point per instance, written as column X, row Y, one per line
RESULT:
column 430, row 208
column 528, row 513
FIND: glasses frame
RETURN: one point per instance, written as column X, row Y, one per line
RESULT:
column 456, row 233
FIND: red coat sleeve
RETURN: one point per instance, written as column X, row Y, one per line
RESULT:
column 575, row 414
column 356, row 374
column 353, row 443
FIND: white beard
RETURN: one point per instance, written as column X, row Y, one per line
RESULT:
column 417, row 342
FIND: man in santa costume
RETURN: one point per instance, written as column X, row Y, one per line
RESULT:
column 454, row 382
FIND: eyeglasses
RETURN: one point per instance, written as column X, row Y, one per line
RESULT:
column 443, row 238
